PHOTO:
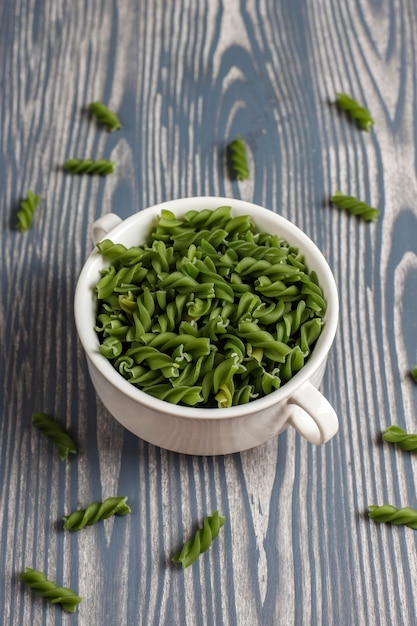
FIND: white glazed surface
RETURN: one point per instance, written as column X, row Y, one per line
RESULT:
column 210, row 431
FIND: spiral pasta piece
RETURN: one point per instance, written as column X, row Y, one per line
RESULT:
column 191, row 396
column 208, row 218
column 358, row 112
column 124, row 280
column 105, row 116
column 267, row 314
column 354, row 206
column 198, row 308
column 292, row 321
column 244, row 249
column 196, row 346
column 238, row 158
column 27, row 210
column 117, row 252
column 187, row 238
column 244, row 394
column 95, row 512
column 171, row 317
column 49, row 590
column 276, row 289
column 389, row 514
column 225, row 393
column 293, row 363
column 155, row 360
column 272, row 349
column 56, row 433
column 249, row 266
column 395, row 434
column 309, row 333
column 102, row 167
column 202, row 540
column 189, row 373
column 233, row 346
column 111, row 347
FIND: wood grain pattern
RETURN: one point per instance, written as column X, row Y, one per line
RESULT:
column 185, row 79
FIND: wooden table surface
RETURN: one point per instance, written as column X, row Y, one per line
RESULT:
column 185, row 78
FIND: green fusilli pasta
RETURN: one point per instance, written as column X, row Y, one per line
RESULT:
column 359, row 113
column 389, row 514
column 47, row 589
column 105, row 116
column 396, row 434
column 27, row 209
column 201, row 542
column 354, row 206
column 238, row 159
column 413, row 374
column 208, row 312
column 102, row 167
column 95, row 512
column 55, row 432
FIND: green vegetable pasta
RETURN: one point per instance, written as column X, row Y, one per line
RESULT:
column 105, row 116
column 208, row 312
column 237, row 150
column 354, row 206
column 359, row 113
column 95, row 512
column 201, row 542
column 26, row 211
column 413, row 374
column 391, row 515
column 55, row 432
column 102, row 167
column 45, row 588
column 395, row 434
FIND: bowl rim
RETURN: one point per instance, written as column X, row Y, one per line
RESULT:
column 88, row 337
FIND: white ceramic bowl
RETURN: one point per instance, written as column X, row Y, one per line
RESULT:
column 209, row 431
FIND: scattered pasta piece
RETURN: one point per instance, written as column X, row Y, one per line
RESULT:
column 395, row 434
column 102, row 167
column 359, row 113
column 391, row 515
column 203, row 539
column 237, row 150
column 27, row 209
column 105, row 116
column 354, row 206
column 413, row 374
column 96, row 511
column 49, row 590
column 55, row 432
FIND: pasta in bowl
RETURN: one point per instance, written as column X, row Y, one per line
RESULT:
column 207, row 323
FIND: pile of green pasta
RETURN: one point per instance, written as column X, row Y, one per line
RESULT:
column 209, row 312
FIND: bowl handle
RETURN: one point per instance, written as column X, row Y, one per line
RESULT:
column 103, row 226
column 312, row 415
